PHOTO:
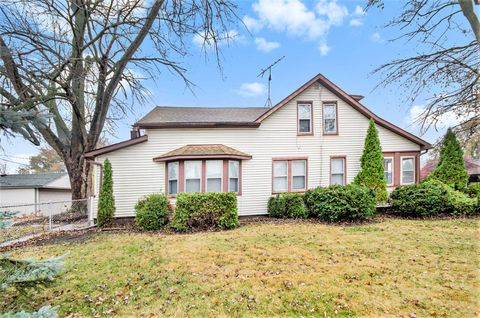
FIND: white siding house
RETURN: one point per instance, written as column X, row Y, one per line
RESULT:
column 287, row 147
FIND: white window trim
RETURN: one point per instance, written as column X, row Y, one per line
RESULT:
column 229, row 177
column 206, row 176
column 401, row 169
column 170, row 179
column 310, row 130
column 185, row 176
column 393, row 171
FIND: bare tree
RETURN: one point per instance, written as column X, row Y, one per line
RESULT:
column 445, row 65
column 82, row 62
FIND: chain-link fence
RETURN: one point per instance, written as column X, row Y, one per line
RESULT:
column 28, row 220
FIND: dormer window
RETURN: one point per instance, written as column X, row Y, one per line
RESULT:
column 330, row 118
column 305, row 118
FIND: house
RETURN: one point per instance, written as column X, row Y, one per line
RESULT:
column 314, row 137
column 33, row 190
column 472, row 166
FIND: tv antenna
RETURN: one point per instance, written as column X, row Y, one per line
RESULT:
column 268, row 69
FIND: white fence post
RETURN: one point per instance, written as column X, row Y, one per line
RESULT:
column 90, row 211
column 49, row 208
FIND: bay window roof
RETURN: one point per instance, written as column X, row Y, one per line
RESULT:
column 211, row 151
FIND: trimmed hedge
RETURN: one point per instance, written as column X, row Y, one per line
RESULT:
column 287, row 205
column 339, row 203
column 431, row 198
column 210, row 210
column 152, row 212
column 473, row 190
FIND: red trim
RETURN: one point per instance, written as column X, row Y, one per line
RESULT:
column 194, row 157
column 289, row 173
column 310, row 133
column 117, row 146
column 393, row 168
column 397, row 164
column 240, row 177
column 225, row 176
column 181, row 176
column 344, row 168
column 203, row 178
column 325, row 133
column 352, row 102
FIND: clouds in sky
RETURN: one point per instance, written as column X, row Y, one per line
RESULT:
column 253, row 89
column 266, row 46
column 376, row 38
column 296, row 19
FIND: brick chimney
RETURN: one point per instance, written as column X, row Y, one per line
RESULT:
column 134, row 133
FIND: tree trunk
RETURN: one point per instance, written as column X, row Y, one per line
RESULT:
column 78, row 181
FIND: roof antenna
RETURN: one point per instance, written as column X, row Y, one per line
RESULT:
column 268, row 103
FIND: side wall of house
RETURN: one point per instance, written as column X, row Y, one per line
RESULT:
column 135, row 174
column 19, row 197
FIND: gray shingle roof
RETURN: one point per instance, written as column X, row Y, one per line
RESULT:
column 38, row 180
column 169, row 114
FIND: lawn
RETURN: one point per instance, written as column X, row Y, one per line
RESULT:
column 391, row 268
column 14, row 232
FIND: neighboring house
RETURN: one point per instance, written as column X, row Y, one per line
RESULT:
column 472, row 166
column 33, row 190
column 314, row 137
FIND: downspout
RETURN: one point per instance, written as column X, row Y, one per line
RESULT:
column 91, row 220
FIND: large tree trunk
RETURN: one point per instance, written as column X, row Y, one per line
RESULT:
column 77, row 170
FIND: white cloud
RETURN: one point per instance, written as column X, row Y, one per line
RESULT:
column 445, row 121
column 266, row 46
column 252, row 89
column 296, row 19
column 359, row 11
column 324, row 49
column 356, row 22
column 376, row 38
column 253, row 25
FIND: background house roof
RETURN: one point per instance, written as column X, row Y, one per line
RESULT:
column 472, row 166
column 164, row 115
column 38, row 180
column 203, row 151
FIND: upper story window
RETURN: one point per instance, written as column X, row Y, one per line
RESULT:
column 214, row 175
column 337, row 171
column 173, row 177
column 289, row 175
column 233, row 175
column 330, row 125
column 408, row 170
column 305, row 118
column 193, row 175
column 388, row 170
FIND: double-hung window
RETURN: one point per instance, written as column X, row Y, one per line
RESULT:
column 193, row 175
column 233, row 175
column 289, row 175
column 173, row 178
column 408, row 170
column 304, row 125
column 388, row 170
column 337, row 168
column 330, row 118
column 214, row 175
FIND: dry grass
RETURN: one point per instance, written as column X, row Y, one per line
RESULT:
column 389, row 269
column 15, row 232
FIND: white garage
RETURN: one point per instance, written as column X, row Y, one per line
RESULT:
column 33, row 191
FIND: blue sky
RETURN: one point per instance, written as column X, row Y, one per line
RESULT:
column 335, row 38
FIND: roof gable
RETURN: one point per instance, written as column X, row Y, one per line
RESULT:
column 353, row 101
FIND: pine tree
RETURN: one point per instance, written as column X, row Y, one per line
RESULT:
column 106, row 204
column 451, row 167
column 371, row 174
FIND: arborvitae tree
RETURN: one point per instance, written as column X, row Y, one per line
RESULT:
column 371, row 174
column 106, row 204
column 451, row 167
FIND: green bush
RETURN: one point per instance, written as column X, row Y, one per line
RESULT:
column 431, row 198
column 210, row 210
column 473, row 190
column 338, row 203
column 371, row 174
column 106, row 203
column 287, row 205
column 151, row 212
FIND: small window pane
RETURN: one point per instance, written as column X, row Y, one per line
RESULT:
column 330, row 118
column 304, row 125
column 337, row 179
column 233, row 185
column 408, row 164
column 173, row 170
column 193, row 169
column 298, row 183
column 408, row 170
column 214, row 168
column 280, row 184
column 387, row 168
column 408, row 177
column 280, row 168
column 298, row 167
column 338, row 166
column 304, row 111
column 233, row 168
column 172, row 187
column 214, row 185
column 192, row 185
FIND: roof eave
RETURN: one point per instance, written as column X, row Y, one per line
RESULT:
column 247, row 124
column 190, row 157
column 117, row 146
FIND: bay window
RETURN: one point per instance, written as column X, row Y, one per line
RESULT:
column 330, row 118
column 193, row 175
column 337, row 171
column 304, row 113
column 173, row 177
